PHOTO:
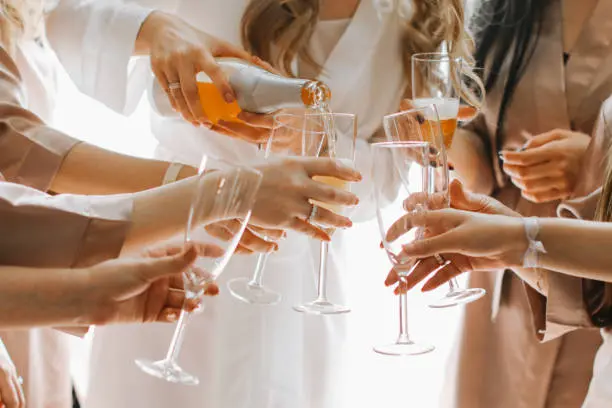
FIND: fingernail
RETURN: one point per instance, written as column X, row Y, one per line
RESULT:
column 381, row 245
column 229, row 98
column 501, row 156
column 172, row 317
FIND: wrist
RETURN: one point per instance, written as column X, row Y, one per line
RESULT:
column 153, row 25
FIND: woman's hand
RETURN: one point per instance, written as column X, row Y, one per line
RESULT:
column 254, row 239
column 459, row 199
column 144, row 290
column 547, row 169
column 283, row 199
column 11, row 391
column 471, row 241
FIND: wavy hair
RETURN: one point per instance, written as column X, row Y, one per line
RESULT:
column 18, row 18
column 287, row 25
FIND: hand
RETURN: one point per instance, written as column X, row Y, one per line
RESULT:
column 471, row 241
column 283, row 199
column 11, row 391
column 178, row 52
column 254, row 239
column 459, row 199
column 144, row 290
column 547, row 169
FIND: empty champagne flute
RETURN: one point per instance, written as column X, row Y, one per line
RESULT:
column 221, row 195
column 331, row 135
column 400, row 169
column 438, row 80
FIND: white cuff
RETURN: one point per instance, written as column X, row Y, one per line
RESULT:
column 532, row 229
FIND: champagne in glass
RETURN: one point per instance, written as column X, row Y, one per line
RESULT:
column 221, row 195
column 437, row 80
column 408, row 175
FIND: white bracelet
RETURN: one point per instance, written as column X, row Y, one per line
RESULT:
column 172, row 173
column 532, row 255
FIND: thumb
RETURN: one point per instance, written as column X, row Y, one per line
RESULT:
column 464, row 200
column 423, row 248
column 153, row 269
column 406, row 104
column 542, row 139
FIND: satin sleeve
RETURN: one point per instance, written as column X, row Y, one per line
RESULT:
column 94, row 40
column 565, row 309
column 63, row 231
column 30, row 152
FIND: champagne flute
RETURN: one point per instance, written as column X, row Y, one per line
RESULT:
column 321, row 135
column 403, row 165
column 253, row 290
column 437, row 80
column 221, row 195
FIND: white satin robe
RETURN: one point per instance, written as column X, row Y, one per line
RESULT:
column 248, row 356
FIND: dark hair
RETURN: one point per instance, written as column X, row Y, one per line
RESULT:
column 506, row 34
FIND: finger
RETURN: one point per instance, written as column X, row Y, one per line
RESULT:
column 529, row 157
column 219, row 230
column 153, row 269
column 20, row 394
column 318, row 191
column 545, row 196
column 423, row 248
column 464, row 200
column 435, row 201
column 422, row 270
column 257, row 120
column 202, row 249
column 542, row 139
column 257, row 244
column 187, row 77
column 212, row 289
column 169, row 315
column 247, row 132
column 155, row 300
column 401, row 226
column 331, row 168
column 176, row 299
column 328, row 218
column 263, row 64
column 424, row 219
column 8, row 393
column 217, row 76
column 442, row 276
column 406, row 104
column 541, row 185
column 174, row 77
column 268, row 233
column 392, row 277
column 548, row 169
column 163, row 81
column 309, row 230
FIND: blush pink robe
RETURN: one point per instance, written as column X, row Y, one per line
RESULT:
column 502, row 361
column 57, row 232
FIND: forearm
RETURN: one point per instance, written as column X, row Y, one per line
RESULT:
column 88, row 169
column 577, row 248
column 469, row 159
column 42, row 297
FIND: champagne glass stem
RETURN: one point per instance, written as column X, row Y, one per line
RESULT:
column 322, row 286
column 177, row 337
column 403, row 319
column 259, row 270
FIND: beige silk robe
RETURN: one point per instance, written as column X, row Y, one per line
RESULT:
column 501, row 361
column 40, row 230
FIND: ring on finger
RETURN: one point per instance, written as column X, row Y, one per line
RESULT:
column 313, row 213
column 173, row 86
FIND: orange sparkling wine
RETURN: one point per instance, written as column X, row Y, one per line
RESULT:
column 334, row 182
column 466, row 113
column 448, row 126
column 214, row 106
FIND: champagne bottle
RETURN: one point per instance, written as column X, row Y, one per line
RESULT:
column 257, row 91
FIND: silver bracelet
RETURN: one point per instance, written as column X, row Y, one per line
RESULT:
column 172, row 173
column 536, row 247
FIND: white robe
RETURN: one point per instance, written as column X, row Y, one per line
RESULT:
column 600, row 389
column 248, row 356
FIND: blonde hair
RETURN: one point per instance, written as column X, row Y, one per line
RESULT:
column 18, row 18
column 288, row 25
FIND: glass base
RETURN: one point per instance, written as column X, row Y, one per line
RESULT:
column 167, row 370
column 243, row 290
column 458, row 297
column 319, row 307
column 404, row 348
